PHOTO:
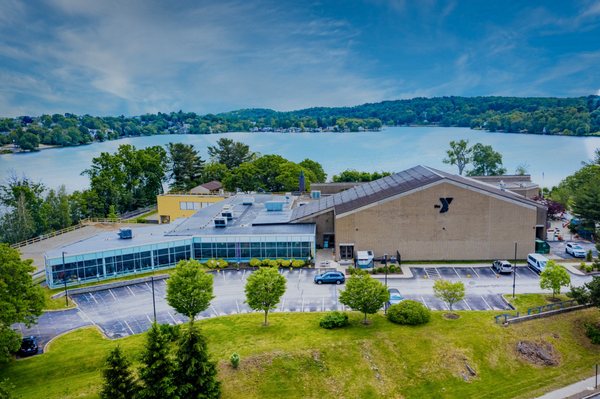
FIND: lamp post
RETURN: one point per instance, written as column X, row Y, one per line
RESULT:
column 385, row 256
column 65, row 280
column 515, row 271
column 153, row 299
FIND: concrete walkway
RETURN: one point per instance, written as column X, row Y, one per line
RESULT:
column 578, row 390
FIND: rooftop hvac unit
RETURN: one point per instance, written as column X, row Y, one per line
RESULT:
column 274, row 206
column 220, row 222
column 227, row 214
column 247, row 200
column 125, row 234
column 315, row 194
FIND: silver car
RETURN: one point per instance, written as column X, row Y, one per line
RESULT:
column 502, row 266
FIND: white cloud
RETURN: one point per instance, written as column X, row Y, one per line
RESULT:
column 203, row 57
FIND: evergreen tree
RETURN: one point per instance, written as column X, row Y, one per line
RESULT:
column 195, row 373
column 157, row 367
column 118, row 380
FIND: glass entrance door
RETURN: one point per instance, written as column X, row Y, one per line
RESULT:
column 346, row 251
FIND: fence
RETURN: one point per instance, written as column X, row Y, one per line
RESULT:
column 82, row 223
column 539, row 311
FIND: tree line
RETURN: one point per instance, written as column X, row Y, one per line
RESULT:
column 131, row 178
column 536, row 115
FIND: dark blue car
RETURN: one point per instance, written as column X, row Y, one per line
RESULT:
column 29, row 347
column 330, row 278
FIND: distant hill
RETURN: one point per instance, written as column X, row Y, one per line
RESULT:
column 578, row 116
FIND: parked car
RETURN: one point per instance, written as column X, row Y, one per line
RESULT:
column 537, row 262
column 29, row 346
column 575, row 250
column 330, row 278
column 395, row 297
column 502, row 266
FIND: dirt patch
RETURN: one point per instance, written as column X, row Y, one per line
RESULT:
column 540, row 353
column 451, row 316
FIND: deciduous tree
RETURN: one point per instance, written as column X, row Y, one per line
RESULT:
column 264, row 290
column 486, row 161
column 190, row 289
column 449, row 292
column 459, row 154
column 364, row 294
column 554, row 277
column 21, row 301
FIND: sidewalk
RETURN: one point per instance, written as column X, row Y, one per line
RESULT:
column 578, row 390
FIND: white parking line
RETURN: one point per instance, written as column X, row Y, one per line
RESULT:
column 456, row 273
column 214, row 310
column 282, row 304
column 172, row 318
column 302, row 308
column 149, row 319
column 323, row 305
column 428, row 276
column 424, row 303
column 130, row 290
column 475, row 271
column 466, row 303
column 493, row 271
column 127, row 324
column 488, row 305
column 113, row 295
column 92, row 296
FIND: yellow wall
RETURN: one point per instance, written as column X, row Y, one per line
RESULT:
column 170, row 205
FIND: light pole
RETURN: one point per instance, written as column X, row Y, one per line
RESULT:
column 515, row 271
column 65, row 280
column 153, row 300
column 385, row 256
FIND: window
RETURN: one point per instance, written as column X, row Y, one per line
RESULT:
column 190, row 206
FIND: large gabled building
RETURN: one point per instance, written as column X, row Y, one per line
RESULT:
column 426, row 214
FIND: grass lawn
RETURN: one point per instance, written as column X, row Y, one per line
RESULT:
column 522, row 302
column 295, row 358
column 55, row 303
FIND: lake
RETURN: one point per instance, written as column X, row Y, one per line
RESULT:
column 548, row 158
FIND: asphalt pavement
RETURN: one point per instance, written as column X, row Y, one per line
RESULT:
column 128, row 310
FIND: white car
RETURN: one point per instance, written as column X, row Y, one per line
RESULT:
column 575, row 250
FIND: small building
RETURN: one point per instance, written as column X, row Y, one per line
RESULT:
column 520, row 184
column 212, row 187
column 174, row 206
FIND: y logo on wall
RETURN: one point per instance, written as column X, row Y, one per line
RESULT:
column 445, row 204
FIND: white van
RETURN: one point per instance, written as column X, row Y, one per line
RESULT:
column 537, row 262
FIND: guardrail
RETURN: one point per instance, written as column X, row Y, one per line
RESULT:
column 539, row 311
column 47, row 235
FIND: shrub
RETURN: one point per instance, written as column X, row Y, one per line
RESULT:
column 589, row 268
column 279, row 262
column 334, row 319
column 582, row 266
column 298, row 263
column 355, row 270
column 285, row 263
column 216, row 263
column 255, row 262
column 172, row 332
column 265, row 262
column 408, row 312
column 234, row 359
column 588, row 256
column 593, row 333
column 273, row 263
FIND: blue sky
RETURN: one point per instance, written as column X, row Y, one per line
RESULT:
column 131, row 57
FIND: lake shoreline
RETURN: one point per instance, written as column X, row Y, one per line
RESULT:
column 50, row 147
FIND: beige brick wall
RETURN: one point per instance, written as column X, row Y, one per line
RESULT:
column 477, row 226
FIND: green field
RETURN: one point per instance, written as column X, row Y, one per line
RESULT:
column 295, row 358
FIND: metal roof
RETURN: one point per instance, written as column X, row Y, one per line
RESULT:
column 390, row 186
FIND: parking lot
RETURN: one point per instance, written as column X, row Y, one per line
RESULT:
column 128, row 310
column 557, row 248
column 469, row 273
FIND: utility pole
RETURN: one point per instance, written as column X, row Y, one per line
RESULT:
column 515, row 271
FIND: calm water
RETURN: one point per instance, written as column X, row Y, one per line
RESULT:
column 548, row 158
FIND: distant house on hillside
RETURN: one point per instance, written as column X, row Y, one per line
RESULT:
column 212, row 187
